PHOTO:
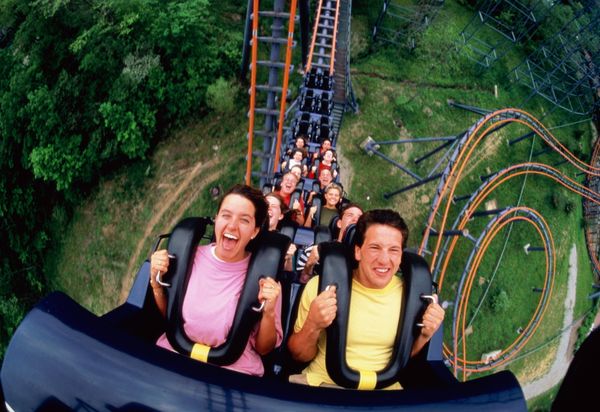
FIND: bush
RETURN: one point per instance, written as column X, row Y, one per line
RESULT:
column 500, row 302
column 569, row 207
column 578, row 134
column 221, row 96
column 558, row 201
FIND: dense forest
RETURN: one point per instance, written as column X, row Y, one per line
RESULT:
column 84, row 87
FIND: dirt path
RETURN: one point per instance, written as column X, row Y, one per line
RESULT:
column 563, row 353
column 165, row 205
column 346, row 171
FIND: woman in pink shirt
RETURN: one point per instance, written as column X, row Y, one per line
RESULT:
column 218, row 273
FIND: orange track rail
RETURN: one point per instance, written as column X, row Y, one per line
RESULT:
column 252, row 90
column 454, row 177
column 333, row 41
column 314, row 37
column 463, row 305
column 286, row 79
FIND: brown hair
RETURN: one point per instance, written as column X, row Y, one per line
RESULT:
column 284, row 208
column 255, row 196
column 386, row 217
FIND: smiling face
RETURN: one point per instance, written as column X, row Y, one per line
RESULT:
column 300, row 142
column 274, row 212
column 325, row 177
column 328, row 156
column 332, row 197
column 298, row 156
column 288, row 184
column 326, row 145
column 235, row 226
column 379, row 256
column 297, row 171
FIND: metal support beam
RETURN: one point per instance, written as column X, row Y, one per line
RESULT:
column 412, row 186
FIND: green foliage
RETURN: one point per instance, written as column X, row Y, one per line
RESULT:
column 569, row 207
column 578, row 134
column 500, row 302
column 83, row 87
column 11, row 313
column 558, row 201
column 221, row 96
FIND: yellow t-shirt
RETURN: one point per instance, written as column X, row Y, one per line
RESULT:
column 372, row 327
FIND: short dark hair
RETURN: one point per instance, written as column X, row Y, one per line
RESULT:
column 349, row 205
column 386, row 217
column 253, row 195
column 284, row 208
column 302, row 152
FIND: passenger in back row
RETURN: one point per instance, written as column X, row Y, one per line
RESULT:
column 276, row 212
column 325, row 178
column 289, row 181
column 325, row 146
column 375, row 305
column 309, row 257
column 333, row 196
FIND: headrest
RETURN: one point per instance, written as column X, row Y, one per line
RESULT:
column 333, row 228
column 322, row 234
column 349, row 235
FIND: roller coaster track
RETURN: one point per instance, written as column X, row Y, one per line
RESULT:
column 328, row 54
column 480, row 247
column 592, row 215
column 489, row 186
column 273, row 118
column 444, row 196
column 509, row 216
column 463, row 152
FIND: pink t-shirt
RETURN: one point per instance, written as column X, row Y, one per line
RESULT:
column 209, row 305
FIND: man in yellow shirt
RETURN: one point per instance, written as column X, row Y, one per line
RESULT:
column 381, row 236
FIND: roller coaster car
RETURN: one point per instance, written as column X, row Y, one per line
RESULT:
column 326, row 82
column 63, row 357
column 313, row 78
column 303, row 125
column 308, row 101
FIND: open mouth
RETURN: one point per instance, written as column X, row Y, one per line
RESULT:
column 229, row 241
column 382, row 271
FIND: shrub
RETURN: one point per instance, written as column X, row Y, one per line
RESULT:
column 221, row 96
column 558, row 201
column 500, row 302
column 569, row 207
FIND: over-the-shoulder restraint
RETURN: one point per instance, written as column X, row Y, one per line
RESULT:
column 266, row 260
column 336, row 269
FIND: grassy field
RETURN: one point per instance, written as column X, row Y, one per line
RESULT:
column 401, row 95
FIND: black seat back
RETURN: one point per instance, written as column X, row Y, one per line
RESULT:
column 266, row 260
column 333, row 227
column 336, row 269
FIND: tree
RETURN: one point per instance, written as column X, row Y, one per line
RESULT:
column 83, row 87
